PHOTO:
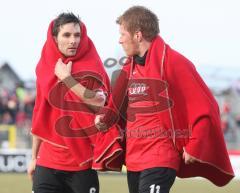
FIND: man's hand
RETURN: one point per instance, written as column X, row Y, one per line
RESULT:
column 188, row 159
column 101, row 126
column 31, row 168
column 63, row 70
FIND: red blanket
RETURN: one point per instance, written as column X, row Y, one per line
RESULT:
column 61, row 118
column 193, row 117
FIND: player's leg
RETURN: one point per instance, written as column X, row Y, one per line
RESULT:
column 156, row 180
column 133, row 181
column 85, row 181
column 45, row 180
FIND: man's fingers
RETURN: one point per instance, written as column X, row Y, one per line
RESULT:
column 191, row 160
column 183, row 156
column 30, row 175
column 100, row 125
column 69, row 66
column 101, row 128
column 99, row 119
column 58, row 64
column 60, row 61
column 188, row 159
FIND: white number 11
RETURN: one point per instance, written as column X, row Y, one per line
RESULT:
column 153, row 187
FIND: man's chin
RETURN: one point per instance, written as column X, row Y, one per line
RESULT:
column 71, row 54
column 129, row 54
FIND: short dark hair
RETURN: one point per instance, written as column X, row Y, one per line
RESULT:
column 139, row 18
column 62, row 19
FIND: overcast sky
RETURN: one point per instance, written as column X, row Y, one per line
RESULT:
column 205, row 31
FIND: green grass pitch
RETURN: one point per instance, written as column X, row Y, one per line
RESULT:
column 19, row 183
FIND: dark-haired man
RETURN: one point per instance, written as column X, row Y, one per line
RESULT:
column 61, row 162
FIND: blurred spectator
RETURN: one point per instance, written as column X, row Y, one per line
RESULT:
column 228, row 122
column 16, row 106
column 238, row 120
column 225, row 113
column 21, row 119
column 7, row 118
column 21, row 95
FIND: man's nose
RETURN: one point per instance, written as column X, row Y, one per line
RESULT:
column 120, row 41
column 73, row 40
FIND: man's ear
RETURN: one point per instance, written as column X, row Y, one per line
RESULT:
column 139, row 36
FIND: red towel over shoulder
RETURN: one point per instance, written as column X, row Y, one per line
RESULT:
column 193, row 117
column 61, row 118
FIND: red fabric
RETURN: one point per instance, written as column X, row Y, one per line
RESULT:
column 193, row 111
column 52, row 156
column 59, row 116
column 200, row 114
column 148, row 143
column 109, row 154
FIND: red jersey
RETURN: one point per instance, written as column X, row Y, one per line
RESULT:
column 148, row 143
column 186, row 109
column 59, row 158
column 56, row 157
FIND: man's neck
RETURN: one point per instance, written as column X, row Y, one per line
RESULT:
column 145, row 45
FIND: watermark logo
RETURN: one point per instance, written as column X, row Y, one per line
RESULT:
column 141, row 90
